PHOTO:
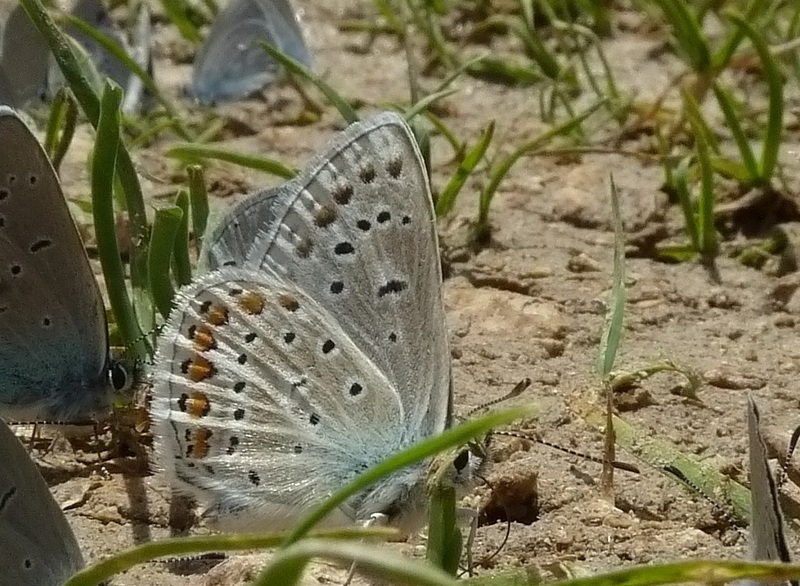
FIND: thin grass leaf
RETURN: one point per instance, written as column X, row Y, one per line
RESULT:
column 63, row 118
column 687, row 32
column 101, row 571
column 742, row 143
column 612, row 332
column 55, row 120
column 166, row 226
column 501, row 170
column 286, row 567
column 444, row 205
column 681, row 184
column 103, row 165
column 199, row 202
column 445, row 132
column 443, row 548
column 707, row 233
column 459, row 435
column 293, row 66
column 458, row 72
column 532, row 44
column 722, row 57
column 772, row 136
column 121, row 54
column 690, row 571
column 195, row 153
column 699, row 126
column 425, row 103
column 181, row 266
column 503, row 71
column 177, row 12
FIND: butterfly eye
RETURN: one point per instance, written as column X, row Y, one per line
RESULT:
column 120, row 377
column 461, row 461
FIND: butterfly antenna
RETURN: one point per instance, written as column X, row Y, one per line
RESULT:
column 535, row 438
column 724, row 512
column 516, row 391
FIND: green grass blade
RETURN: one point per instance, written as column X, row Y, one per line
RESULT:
column 101, row 571
column 61, row 127
column 199, row 203
column 612, row 332
column 195, row 153
column 707, row 233
column 459, row 435
column 297, row 68
column 181, row 265
column 502, row 169
column 162, row 242
column 443, row 548
column 732, row 119
column 103, row 166
column 687, row 33
column 424, row 103
column 447, row 198
column 681, row 184
column 772, row 136
column 177, row 12
column 287, row 566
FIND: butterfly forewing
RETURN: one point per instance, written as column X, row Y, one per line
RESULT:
column 357, row 233
column 53, row 338
column 263, row 401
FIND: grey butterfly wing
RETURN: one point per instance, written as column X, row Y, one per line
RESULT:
column 231, row 63
column 767, row 539
column 53, row 337
column 24, row 58
column 358, row 234
column 37, row 546
column 264, row 404
column 228, row 241
column 8, row 95
column 94, row 13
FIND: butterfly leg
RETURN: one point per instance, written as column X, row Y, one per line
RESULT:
column 464, row 515
column 375, row 520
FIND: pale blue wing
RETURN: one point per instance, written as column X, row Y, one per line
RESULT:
column 231, row 64
column 356, row 231
column 263, row 406
column 37, row 546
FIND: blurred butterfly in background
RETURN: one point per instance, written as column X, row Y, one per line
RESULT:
column 231, row 63
column 28, row 73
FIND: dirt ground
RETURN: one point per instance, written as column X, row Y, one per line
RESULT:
column 531, row 304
